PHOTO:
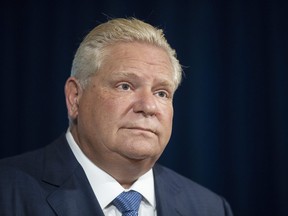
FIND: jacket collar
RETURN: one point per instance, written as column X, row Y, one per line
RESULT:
column 69, row 190
column 168, row 193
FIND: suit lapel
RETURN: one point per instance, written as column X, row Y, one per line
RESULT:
column 69, row 190
column 75, row 197
column 167, row 194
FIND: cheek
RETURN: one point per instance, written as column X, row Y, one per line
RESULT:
column 93, row 111
column 168, row 115
column 108, row 114
column 167, row 121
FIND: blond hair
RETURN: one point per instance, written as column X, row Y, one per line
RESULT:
column 90, row 54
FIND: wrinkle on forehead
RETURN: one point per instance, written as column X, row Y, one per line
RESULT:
column 157, row 55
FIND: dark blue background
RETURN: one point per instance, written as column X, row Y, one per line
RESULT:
column 231, row 123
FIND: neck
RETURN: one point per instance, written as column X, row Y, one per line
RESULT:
column 127, row 173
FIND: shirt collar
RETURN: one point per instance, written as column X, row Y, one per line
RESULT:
column 104, row 186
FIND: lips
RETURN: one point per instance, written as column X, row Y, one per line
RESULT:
column 141, row 129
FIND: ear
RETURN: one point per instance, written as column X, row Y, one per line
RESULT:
column 73, row 92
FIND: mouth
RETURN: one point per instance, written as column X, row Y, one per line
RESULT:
column 142, row 129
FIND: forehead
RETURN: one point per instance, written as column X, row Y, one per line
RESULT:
column 144, row 50
column 136, row 56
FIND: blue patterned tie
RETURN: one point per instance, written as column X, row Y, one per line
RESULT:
column 128, row 203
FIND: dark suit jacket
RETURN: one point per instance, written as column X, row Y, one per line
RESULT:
column 50, row 181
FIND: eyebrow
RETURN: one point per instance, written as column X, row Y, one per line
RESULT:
column 125, row 74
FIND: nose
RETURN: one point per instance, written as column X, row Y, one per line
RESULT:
column 145, row 103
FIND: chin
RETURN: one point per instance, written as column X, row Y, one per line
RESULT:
column 141, row 156
column 140, row 149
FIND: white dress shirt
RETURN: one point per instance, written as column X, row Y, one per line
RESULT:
column 106, row 188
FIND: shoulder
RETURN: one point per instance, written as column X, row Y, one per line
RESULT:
column 29, row 163
column 25, row 162
column 21, row 175
column 195, row 196
column 178, row 181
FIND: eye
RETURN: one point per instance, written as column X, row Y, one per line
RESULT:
column 162, row 94
column 124, row 86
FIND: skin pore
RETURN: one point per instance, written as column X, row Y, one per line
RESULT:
column 122, row 120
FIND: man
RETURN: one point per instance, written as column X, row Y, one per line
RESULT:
column 119, row 101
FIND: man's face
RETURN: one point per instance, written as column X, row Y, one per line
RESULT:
column 126, row 111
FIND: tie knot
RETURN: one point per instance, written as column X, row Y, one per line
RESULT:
column 128, row 202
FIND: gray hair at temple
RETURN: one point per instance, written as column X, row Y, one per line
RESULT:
column 90, row 54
